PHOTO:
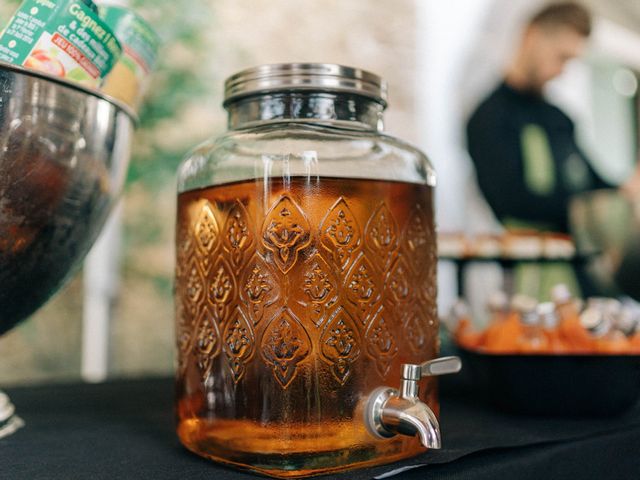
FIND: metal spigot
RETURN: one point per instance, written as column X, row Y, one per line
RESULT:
column 390, row 412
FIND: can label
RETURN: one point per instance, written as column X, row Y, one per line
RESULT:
column 64, row 38
column 129, row 78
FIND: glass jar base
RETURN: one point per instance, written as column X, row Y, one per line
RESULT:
column 279, row 458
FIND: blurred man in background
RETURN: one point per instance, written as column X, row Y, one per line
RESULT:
column 524, row 149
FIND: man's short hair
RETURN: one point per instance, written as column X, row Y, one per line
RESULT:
column 565, row 14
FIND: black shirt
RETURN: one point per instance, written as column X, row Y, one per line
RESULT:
column 526, row 158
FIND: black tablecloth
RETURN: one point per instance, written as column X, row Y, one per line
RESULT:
column 123, row 430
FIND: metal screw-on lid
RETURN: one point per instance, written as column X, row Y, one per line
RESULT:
column 595, row 321
column 325, row 77
column 548, row 315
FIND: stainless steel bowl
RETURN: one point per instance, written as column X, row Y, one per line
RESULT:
column 64, row 152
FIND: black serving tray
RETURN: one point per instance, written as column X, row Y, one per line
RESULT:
column 554, row 385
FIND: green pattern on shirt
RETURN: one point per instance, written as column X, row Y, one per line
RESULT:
column 537, row 158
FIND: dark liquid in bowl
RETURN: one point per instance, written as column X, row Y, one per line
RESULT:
column 47, row 209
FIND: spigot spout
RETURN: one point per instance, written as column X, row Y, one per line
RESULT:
column 391, row 412
column 412, row 417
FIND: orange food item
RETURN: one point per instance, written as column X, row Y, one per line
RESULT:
column 634, row 343
column 614, row 342
column 575, row 337
column 502, row 336
column 556, row 341
column 467, row 337
column 560, row 327
column 533, row 340
column 510, row 336
column 548, row 320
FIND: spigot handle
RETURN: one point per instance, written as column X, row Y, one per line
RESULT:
column 432, row 368
column 441, row 366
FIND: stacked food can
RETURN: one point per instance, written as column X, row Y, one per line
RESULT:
column 108, row 47
column 129, row 78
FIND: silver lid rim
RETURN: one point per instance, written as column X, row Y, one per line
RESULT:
column 73, row 86
column 305, row 76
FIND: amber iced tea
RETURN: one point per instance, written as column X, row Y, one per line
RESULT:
column 295, row 299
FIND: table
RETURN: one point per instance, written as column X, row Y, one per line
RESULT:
column 124, row 430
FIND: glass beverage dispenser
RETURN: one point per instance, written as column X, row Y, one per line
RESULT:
column 306, row 280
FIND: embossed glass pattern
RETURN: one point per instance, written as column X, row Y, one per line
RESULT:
column 305, row 277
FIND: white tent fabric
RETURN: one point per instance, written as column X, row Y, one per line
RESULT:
column 494, row 46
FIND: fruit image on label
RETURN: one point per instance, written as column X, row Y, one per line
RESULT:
column 57, row 56
column 41, row 60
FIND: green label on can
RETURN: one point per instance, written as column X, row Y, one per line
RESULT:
column 64, row 38
column 130, row 78
column 136, row 36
